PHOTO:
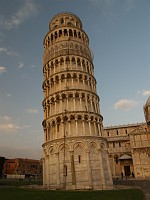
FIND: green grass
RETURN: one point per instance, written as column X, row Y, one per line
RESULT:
column 14, row 193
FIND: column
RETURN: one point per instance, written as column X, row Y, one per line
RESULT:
column 102, row 168
column 58, row 169
column 48, row 171
column 76, row 122
column 109, row 171
column 73, row 170
column 90, row 126
column 69, row 134
column 89, row 168
column 83, row 126
column 95, row 128
column 99, row 128
column 74, row 102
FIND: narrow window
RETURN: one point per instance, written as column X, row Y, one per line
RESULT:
column 119, row 144
column 58, row 127
column 113, row 145
column 65, row 170
column 107, row 133
column 126, row 132
column 117, row 132
column 79, row 158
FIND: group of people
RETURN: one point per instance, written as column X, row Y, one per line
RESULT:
column 127, row 175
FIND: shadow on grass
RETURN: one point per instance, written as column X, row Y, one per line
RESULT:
column 15, row 193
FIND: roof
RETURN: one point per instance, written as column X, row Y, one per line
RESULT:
column 125, row 157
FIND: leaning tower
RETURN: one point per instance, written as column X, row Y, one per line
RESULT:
column 74, row 151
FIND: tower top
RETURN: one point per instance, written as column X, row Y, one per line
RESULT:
column 147, row 111
column 65, row 19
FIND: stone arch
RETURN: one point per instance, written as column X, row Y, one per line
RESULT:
column 72, row 117
column 57, row 98
column 56, row 62
column 67, row 60
column 75, row 76
column 70, row 95
column 63, row 96
column 57, row 79
column 52, row 100
column 93, row 147
column 79, row 34
column 61, row 148
column 51, row 150
column 73, row 61
column 79, row 117
column 55, row 34
column 58, row 119
column 79, row 147
column 62, row 77
column 86, row 117
column 61, row 61
column 70, row 33
column 65, row 32
column 60, row 33
column 68, row 75
column 77, row 95
column 75, row 33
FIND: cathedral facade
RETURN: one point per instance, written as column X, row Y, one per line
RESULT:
column 129, row 148
column 75, row 153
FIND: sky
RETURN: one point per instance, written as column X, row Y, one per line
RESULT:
column 119, row 34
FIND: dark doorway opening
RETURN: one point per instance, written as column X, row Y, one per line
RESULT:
column 127, row 170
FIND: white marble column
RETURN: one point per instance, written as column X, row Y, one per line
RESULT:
column 89, row 121
column 76, row 122
column 58, row 169
column 89, row 169
column 83, row 124
column 109, row 170
column 102, row 169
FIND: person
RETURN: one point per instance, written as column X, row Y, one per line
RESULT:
column 122, row 175
column 133, row 175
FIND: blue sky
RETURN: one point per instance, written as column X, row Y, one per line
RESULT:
column 119, row 33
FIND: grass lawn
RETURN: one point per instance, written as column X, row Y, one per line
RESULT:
column 15, row 193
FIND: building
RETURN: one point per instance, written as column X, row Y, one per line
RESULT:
column 129, row 148
column 2, row 160
column 20, row 166
column 75, row 154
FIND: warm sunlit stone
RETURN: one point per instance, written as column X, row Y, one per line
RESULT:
column 75, row 154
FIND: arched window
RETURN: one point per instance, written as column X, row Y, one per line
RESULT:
column 70, row 33
column 75, row 33
column 62, row 21
column 65, row 32
column 60, row 33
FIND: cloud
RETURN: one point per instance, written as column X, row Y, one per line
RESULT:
column 146, row 93
column 21, row 64
column 32, row 111
column 125, row 104
column 2, row 69
column 27, row 10
column 7, row 52
column 7, row 124
column 8, row 95
column 143, row 92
